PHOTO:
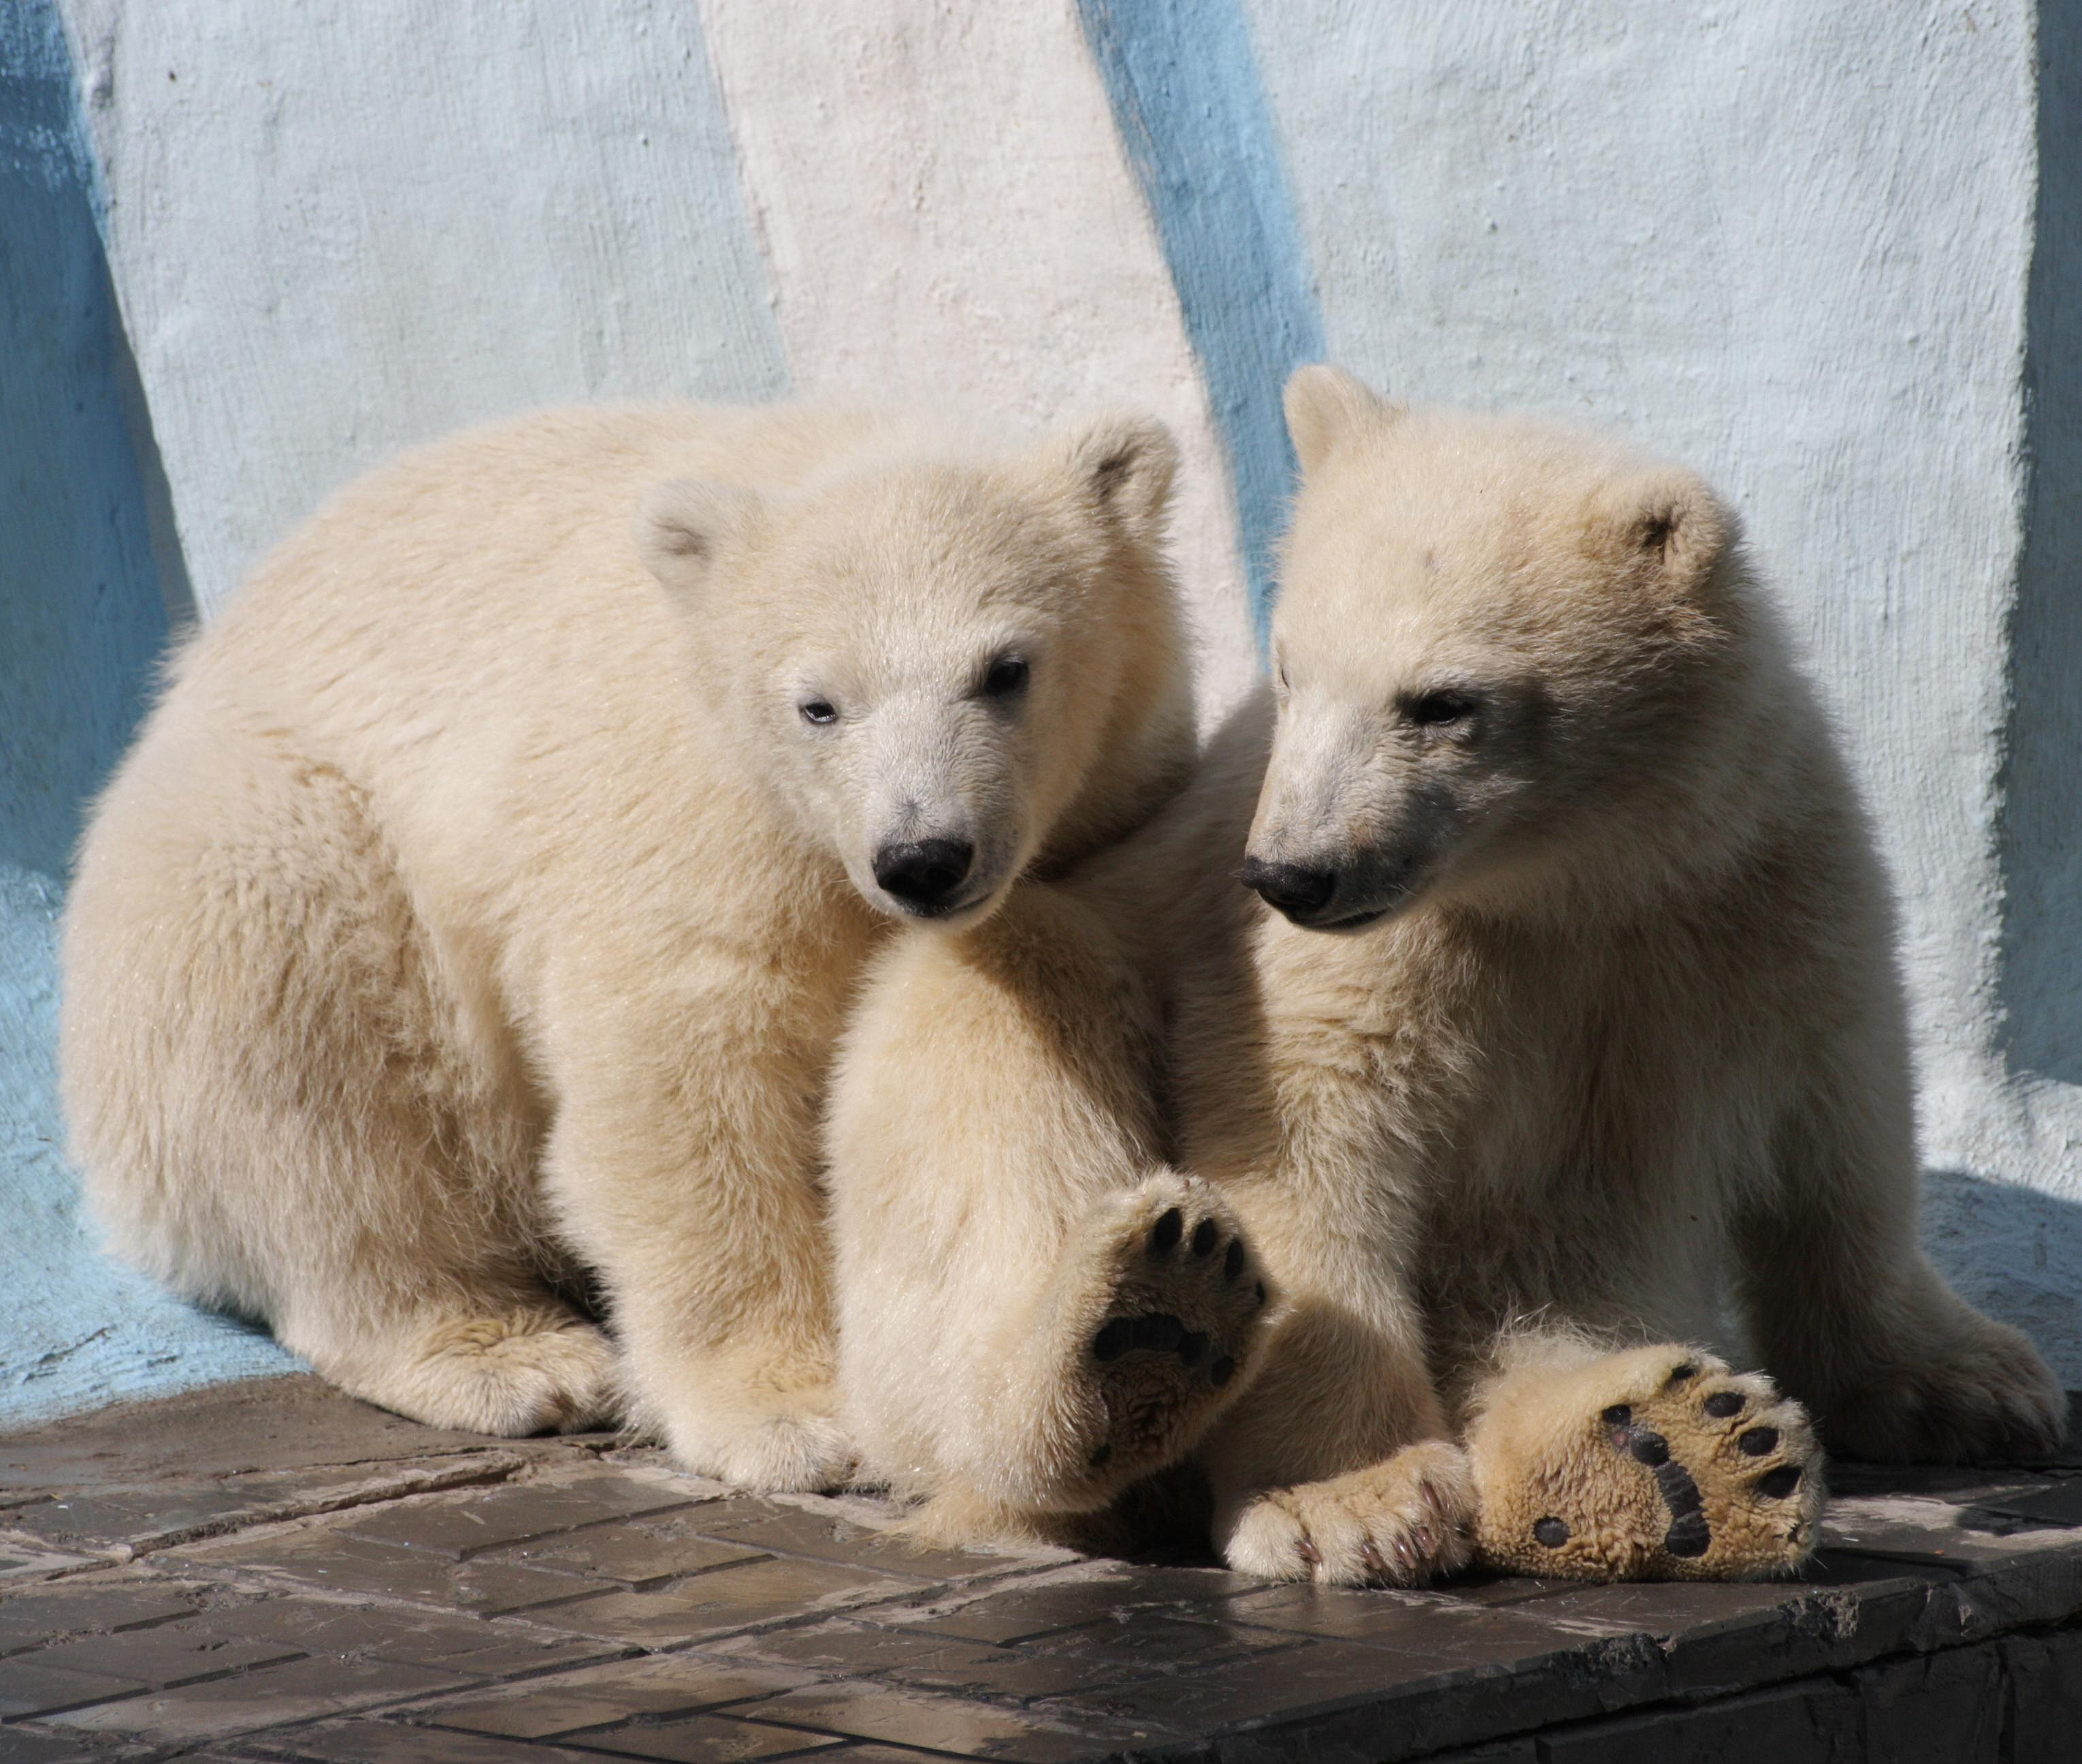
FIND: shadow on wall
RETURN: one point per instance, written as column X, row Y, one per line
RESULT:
column 2041, row 831
column 2014, row 1252
column 84, row 616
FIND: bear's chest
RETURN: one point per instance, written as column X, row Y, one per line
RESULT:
column 1630, row 1088
column 1594, row 1186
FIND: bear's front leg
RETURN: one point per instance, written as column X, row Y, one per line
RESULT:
column 1335, row 1465
column 1034, row 1313
column 682, row 1165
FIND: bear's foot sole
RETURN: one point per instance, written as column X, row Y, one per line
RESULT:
column 1164, row 1302
column 1656, row 1464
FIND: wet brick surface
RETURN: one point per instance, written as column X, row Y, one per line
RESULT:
column 274, row 1573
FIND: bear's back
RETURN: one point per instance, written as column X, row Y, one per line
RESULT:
column 501, row 558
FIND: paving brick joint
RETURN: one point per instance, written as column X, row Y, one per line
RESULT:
column 272, row 1572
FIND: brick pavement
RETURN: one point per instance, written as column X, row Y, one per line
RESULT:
column 271, row 1572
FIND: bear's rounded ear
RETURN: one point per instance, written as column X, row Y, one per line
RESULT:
column 1124, row 465
column 1665, row 523
column 682, row 527
column 1325, row 407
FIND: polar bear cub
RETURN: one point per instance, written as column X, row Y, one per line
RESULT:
column 1577, row 1002
column 478, row 909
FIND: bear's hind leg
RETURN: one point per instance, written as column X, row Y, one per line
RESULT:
column 281, row 1105
column 1851, row 1315
column 1652, row 1463
column 484, row 1367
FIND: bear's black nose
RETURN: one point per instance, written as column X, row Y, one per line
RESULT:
column 1294, row 889
column 924, row 872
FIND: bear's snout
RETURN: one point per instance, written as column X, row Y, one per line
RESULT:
column 1299, row 891
column 924, row 873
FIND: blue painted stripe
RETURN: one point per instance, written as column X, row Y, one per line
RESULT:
column 83, row 617
column 1184, row 86
column 84, row 613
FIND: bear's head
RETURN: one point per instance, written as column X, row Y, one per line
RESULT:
column 1509, row 661
column 945, row 668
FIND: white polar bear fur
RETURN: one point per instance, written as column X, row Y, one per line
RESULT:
column 478, row 910
column 1624, row 1051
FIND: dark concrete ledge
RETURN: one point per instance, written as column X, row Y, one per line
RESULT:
column 272, row 1572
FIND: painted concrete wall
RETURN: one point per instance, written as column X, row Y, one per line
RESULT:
column 1826, row 251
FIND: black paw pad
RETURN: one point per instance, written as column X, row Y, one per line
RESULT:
column 1233, row 1262
column 1222, row 1371
column 1757, row 1441
column 1261, row 1292
column 1680, row 1375
column 1723, row 1404
column 1776, row 1484
column 1551, row 1533
column 1688, row 1536
column 1159, row 1332
column 1154, row 1331
column 1205, row 1236
column 1166, row 1232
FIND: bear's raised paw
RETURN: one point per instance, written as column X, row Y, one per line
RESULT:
column 1162, row 1287
column 1657, row 1464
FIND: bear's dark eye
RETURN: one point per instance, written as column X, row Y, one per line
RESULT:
column 1007, row 675
column 819, row 711
column 1430, row 710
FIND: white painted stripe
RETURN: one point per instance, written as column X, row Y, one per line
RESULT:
column 335, row 229
column 949, row 219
